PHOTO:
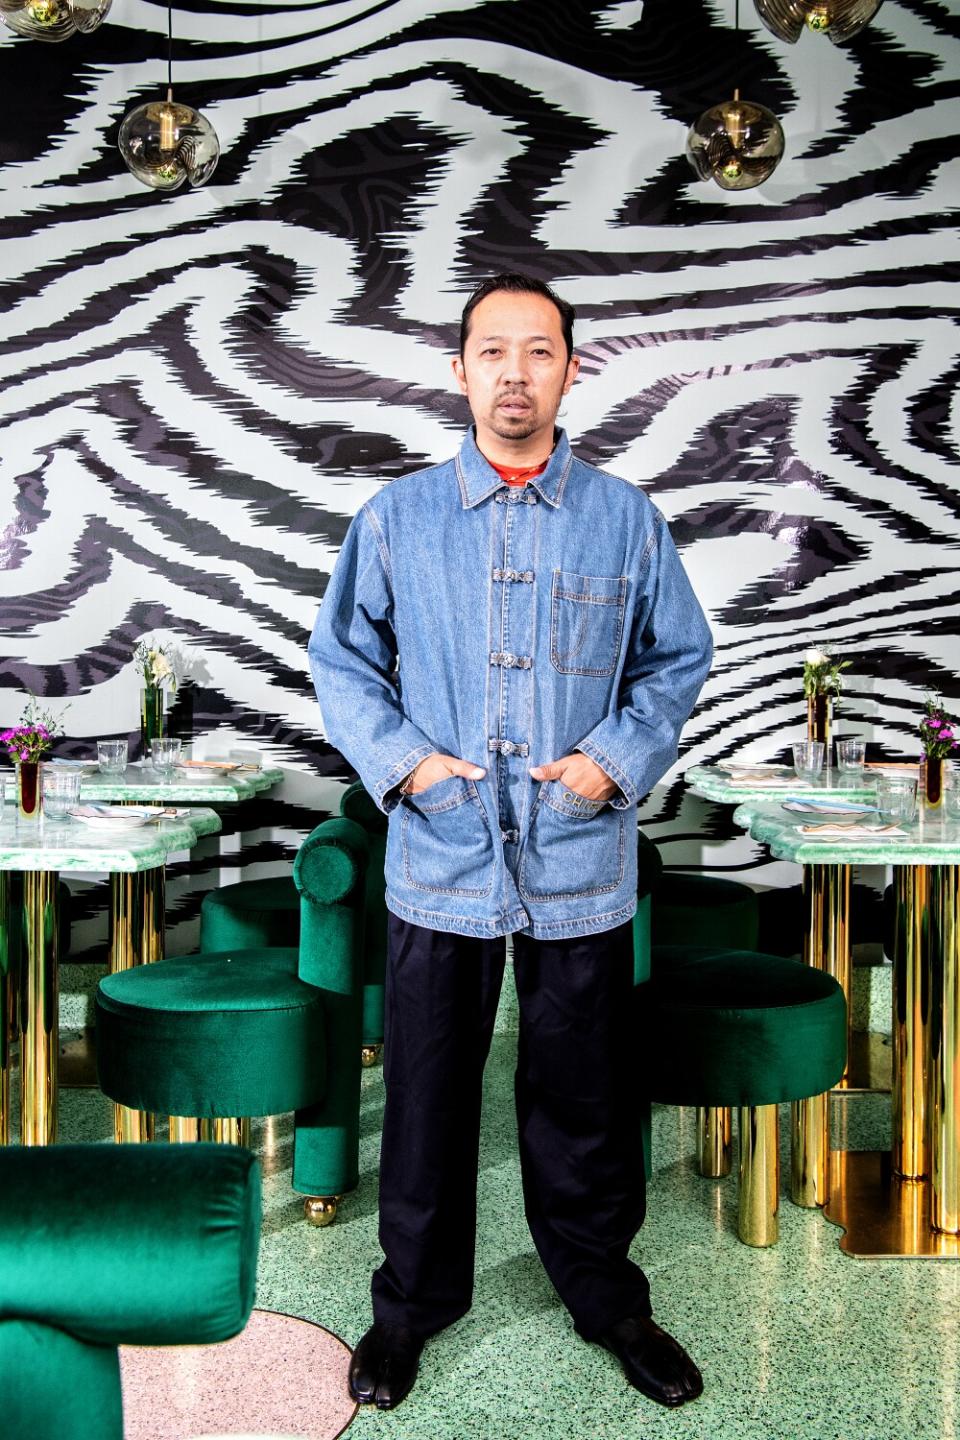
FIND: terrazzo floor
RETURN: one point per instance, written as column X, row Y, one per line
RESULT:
column 798, row 1342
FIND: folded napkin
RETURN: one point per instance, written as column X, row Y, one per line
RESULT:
column 213, row 765
column 760, row 777
column 828, row 807
column 129, row 812
column 838, row 830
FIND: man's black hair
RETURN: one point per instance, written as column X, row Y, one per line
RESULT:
column 515, row 284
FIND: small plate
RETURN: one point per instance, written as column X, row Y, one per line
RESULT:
column 110, row 821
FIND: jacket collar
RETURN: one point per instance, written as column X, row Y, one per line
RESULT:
column 478, row 479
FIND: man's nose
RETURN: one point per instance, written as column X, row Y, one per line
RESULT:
column 515, row 371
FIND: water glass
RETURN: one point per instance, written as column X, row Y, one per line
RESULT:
column 951, row 793
column 61, row 791
column 851, row 755
column 165, row 756
column 112, row 756
column 808, row 759
column 896, row 798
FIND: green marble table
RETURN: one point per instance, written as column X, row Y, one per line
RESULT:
column 713, row 783
column 142, row 785
column 906, row 1203
column 40, row 850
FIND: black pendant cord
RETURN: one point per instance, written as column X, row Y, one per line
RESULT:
column 736, row 16
column 170, row 44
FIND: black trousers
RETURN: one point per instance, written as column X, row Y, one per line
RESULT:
column 578, row 1125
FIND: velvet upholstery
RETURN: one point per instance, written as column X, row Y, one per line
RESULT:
column 262, row 1031
column 103, row 1245
column 731, row 1027
column 704, row 910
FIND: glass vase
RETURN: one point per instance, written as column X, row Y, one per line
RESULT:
column 151, row 717
column 931, row 781
column 28, row 789
column 820, row 722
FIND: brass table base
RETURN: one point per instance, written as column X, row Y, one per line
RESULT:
column 882, row 1215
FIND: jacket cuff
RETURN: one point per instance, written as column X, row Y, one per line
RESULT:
column 386, row 793
column 629, row 794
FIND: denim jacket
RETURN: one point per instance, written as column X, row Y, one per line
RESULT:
column 509, row 627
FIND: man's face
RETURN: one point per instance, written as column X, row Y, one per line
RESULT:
column 514, row 370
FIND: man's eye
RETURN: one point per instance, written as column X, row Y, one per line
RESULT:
column 541, row 351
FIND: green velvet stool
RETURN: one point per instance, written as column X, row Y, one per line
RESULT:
column 740, row 1029
column 256, row 913
column 214, row 1038
column 102, row 1246
column 706, row 910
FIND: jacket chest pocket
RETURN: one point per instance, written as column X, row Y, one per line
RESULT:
column 586, row 622
column 446, row 841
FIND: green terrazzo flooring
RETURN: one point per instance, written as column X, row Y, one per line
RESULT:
column 798, row 1342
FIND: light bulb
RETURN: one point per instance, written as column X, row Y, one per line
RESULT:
column 840, row 20
column 737, row 143
column 165, row 143
column 52, row 20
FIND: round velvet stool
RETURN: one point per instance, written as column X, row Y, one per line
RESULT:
column 214, row 1038
column 750, row 1031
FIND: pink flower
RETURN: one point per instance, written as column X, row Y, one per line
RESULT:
column 24, row 755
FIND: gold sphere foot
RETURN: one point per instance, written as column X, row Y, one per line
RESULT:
column 369, row 1055
column 320, row 1210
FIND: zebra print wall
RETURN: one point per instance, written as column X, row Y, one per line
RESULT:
column 200, row 390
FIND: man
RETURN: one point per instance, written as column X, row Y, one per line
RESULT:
column 506, row 652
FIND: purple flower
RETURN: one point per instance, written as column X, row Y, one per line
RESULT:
column 24, row 755
column 946, row 733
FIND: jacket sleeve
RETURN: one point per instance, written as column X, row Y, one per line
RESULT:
column 353, row 657
column 669, row 656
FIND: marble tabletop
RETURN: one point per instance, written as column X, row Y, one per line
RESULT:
column 713, row 783
column 932, row 838
column 140, row 783
column 46, row 844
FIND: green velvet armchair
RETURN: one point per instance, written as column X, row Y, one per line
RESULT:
column 214, row 1038
column 102, row 1246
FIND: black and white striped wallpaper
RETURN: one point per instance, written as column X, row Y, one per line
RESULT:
column 198, row 391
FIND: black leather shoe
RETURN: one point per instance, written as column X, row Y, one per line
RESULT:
column 384, row 1366
column 653, row 1362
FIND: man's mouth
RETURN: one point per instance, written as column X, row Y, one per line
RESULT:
column 514, row 403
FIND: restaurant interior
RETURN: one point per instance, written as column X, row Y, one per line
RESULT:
column 236, row 241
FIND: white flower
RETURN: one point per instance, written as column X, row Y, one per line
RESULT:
column 160, row 665
column 815, row 657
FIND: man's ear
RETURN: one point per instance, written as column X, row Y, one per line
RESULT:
column 459, row 374
column 573, row 366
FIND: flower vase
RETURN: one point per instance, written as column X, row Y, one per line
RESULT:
column 151, row 717
column 28, row 789
column 820, row 721
column 931, row 781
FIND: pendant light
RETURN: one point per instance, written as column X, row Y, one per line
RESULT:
column 839, row 20
column 737, row 143
column 52, row 20
column 165, row 143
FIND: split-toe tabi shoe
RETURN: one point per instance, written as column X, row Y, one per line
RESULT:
column 653, row 1362
column 384, row 1366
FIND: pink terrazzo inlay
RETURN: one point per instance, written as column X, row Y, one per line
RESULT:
column 282, row 1377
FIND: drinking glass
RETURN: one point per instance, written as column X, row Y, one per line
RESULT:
column 61, row 791
column 896, row 798
column 808, row 759
column 951, row 794
column 851, row 755
column 112, row 756
column 164, row 756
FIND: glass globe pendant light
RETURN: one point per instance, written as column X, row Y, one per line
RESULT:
column 52, row 20
column 840, row 20
column 164, row 143
column 737, row 143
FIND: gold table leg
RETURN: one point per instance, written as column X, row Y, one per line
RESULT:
column 39, row 1005
column 880, row 1200
column 945, row 1050
column 826, row 946
column 137, row 906
column 911, row 1021
column 9, row 950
